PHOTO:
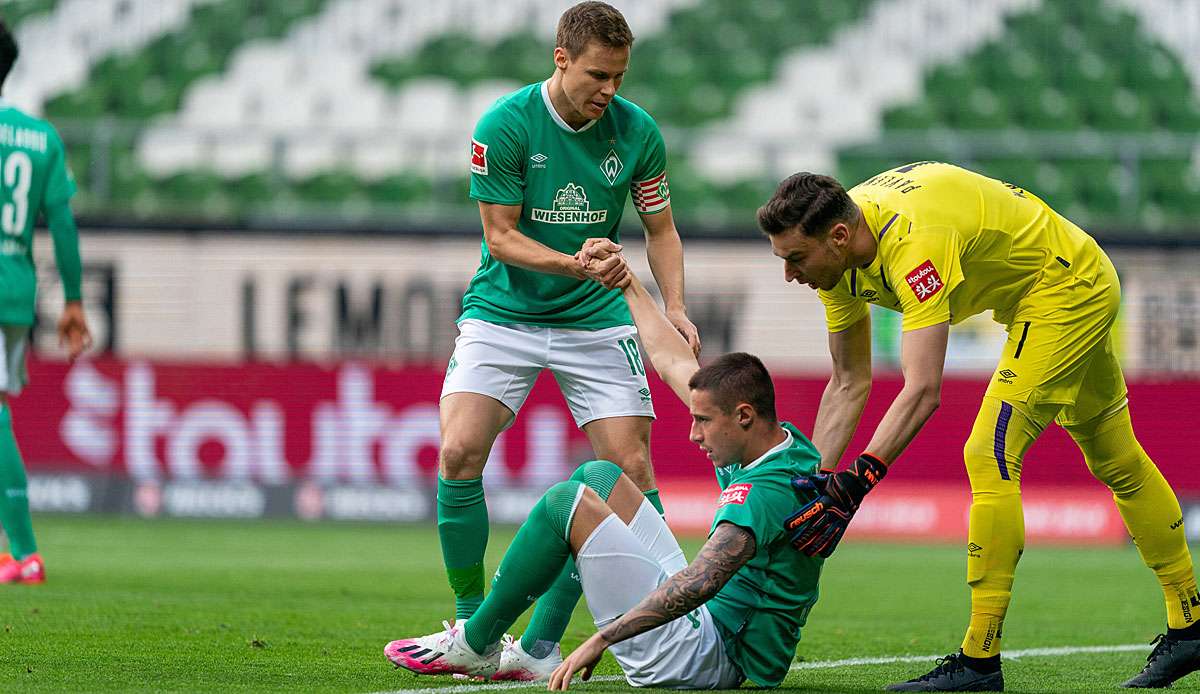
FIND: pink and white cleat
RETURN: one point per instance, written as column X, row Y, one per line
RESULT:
column 29, row 570
column 443, row 653
column 516, row 665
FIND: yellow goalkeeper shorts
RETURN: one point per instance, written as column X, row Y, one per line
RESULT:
column 1060, row 349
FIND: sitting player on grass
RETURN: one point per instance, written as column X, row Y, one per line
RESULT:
column 734, row 613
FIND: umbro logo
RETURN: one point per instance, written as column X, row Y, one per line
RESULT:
column 645, row 393
column 539, row 161
column 1008, row 373
column 973, row 550
column 870, row 294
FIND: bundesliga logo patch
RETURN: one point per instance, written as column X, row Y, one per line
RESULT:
column 924, row 281
column 734, row 494
column 478, row 157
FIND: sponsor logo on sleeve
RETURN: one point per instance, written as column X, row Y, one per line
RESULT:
column 924, row 281
column 479, row 157
column 734, row 494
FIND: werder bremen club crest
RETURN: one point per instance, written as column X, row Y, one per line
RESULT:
column 570, row 207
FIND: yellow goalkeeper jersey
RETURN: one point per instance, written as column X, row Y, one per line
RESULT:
column 954, row 243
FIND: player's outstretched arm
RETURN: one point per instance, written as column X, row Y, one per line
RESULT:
column 846, row 393
column 671, row 355
column 669, row 352
column 664, row 251
column 922, row 361
column 728, row 549
column 817, row 528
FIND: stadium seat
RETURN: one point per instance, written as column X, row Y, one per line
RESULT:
column 747, row 90
column 1063, row 68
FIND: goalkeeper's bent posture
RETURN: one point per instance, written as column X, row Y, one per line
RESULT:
column 939, row 244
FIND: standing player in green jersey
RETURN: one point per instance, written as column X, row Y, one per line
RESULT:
column 33, row 180
column 732, row 614
column 552, row 164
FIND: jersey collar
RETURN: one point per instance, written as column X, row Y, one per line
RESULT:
column 783, row 446
column 554, row 114
column 875, row 225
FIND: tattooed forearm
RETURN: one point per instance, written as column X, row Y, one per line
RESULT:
column 727, row 550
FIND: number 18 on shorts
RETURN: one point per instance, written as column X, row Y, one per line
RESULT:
column 600, row 372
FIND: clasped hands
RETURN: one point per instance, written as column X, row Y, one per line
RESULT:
column 600, row 259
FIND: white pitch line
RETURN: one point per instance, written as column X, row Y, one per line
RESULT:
column 814, row 665
column 1026, row 653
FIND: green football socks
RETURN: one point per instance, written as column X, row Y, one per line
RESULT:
column 463, row 530
column 531, row 565
column 553, row 611
column 14, row 492
column 652, row 497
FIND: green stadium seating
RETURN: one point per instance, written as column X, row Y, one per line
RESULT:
column 14, row 12
column 1065, row 67
column 687, row 74
column 152, row 81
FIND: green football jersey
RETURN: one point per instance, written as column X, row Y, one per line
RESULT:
column 760, row 611
column 571, row 186
column 33, row 177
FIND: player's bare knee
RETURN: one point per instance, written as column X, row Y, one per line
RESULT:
column 457, row 461
column 625, row 499
column 589, row 513
column 636, row 466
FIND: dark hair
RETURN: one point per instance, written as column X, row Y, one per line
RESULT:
column 811, row 201
column 8, row 51
column 737, row 378
column 592, row 21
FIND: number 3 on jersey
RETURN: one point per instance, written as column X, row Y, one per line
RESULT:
column 16, row 175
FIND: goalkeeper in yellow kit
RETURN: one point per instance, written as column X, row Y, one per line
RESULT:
column 938, row 244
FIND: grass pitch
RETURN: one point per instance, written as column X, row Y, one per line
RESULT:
column 186, row 606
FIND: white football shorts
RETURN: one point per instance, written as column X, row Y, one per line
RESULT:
column 600, row 372
column 618, row 570
column 15, row 342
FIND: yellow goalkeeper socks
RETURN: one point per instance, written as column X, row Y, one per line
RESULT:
column 1148, row 506
column 984, row 631
column 994, row 452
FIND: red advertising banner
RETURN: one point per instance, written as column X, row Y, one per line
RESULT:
column 351, row 423
column 933, row 511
